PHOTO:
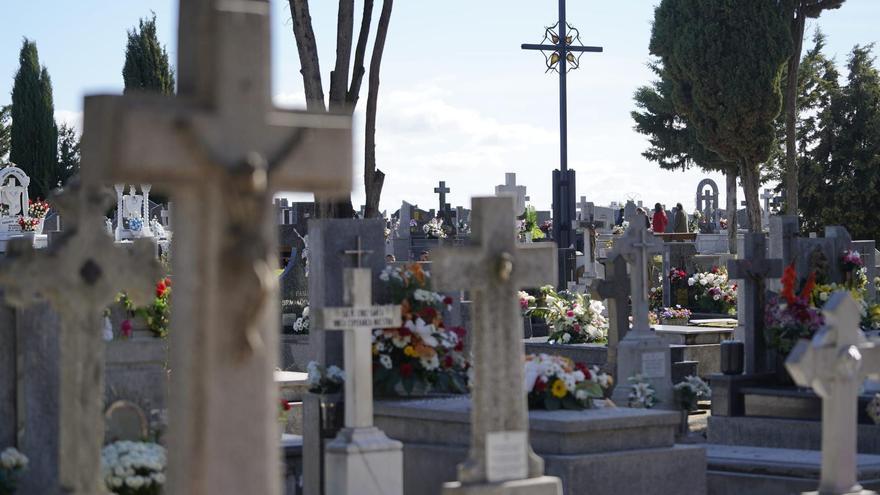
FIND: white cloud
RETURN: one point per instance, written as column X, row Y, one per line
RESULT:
column 69, row 117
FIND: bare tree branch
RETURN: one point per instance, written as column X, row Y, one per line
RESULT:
column 339, row 76
column 361, row 49
column 308, row 54
column 373, row 178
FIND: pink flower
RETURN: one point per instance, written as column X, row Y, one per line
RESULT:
column 569, row 313
column 125, row 328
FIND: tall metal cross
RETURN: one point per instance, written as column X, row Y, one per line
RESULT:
column 441, row 189
column 563, row 56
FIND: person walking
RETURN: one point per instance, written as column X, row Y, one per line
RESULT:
column 659, row 221
column 640, row 212
column 680, row 218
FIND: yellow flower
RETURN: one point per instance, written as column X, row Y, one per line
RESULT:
column 409, row 351
column 375, row 350
column 558, row 389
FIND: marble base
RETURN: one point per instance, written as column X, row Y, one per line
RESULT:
column 363, row 461
column 635, row 356
column 544, row 485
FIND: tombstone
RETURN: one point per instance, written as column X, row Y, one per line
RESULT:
column 615, row 290
column 361, row 460
column 80, row 274
column 629, row 211
column 493, row 268
column 443, row 211
column 132, row 207
column 14, row 203
column 511, row 188
column 677, row 255
column 125, row 422
column 222, row 151
column 766, row 196
column 707, row 203
column 751, row 270
column 834, row 364
column 641, row 351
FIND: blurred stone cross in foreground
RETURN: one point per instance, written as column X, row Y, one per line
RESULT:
column 222, row 151
column 493, row 269
column 80, row 274
column 835, row 364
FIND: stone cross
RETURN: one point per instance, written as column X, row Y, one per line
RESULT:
column 80, row 274
column 494, row 268
column 835, row 364
column 441, row 189
column 584, row 208
column 222, row 151
column 615, row 290
column 637, row 246
column 510, row 187
column 752, row 270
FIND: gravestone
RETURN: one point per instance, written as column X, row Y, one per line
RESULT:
column 629, row 211
column 511, row 188
column 751, row 271
column 835, row 363
column 80, row 274
column 14, row 203
column 361, row 460
column 443, row 211
column 615, row 290
column 641, row 351
column 707, row 204
column 222, row 151
column 493, row 269
column 125, row 421
column 680, row 255
column 766, row 196
column 130, row 209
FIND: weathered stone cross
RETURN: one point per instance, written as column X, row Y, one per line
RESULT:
column 222, row 150
column 494, row 268
column 636, row 246
column 752, row 270
column 80, row 273
column 441, row 189
column 584, row 206
column 615, row 290
column 835, row 364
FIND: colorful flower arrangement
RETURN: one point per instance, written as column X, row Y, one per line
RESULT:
column 677, row 276
column 791, row 317
column 38, row 209
column 529, row 224
column 546, row 227
column 689, row 392
column 324, row 380
column 574, row 317
column 434, row 228
column 28, row 224
column 713, row 292
column 133, row 468
column 526, row 302
column 851, row 260
column 677, row 313
column 422, row 355
column 556, row 382
column 642, row 394
column 135, row 224
column 157, row 315
column 12, row 464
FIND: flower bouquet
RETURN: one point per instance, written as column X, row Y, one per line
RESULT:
column 12, row 464
column 642, row 394
column 303, row 322
column 792, row 317
column 38, row 209
column 674, row 316
column 324, row 381
column 556, row 382
column 29, row 224
column 620, row 229
column 689, row 392
column 546, row 227
column 851, row 261
column 133, row 468
column 157, row 315
column 713, row 292
column 423, row 355
column 574, row 318
column 528, row 227
column 434, row 229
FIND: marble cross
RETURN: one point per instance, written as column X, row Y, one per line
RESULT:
column 80, row 274
column 493, row 269
column 637, row 246
column 584, row 208
column 615, row 290
column 752, row 270
column 835, row 364
column 358, row 322
column 221, row 150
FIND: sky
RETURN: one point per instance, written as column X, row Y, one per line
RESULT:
column 459, row 100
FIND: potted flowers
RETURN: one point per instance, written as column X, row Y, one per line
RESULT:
column 434, row 229
column 642, row 394
column 674, row 316
column 556, row 382
column 712, row 292
column 422, row 356
column 12, row 464
column 790, row 317
column 574, row 318
column 325, row 384
column 688, row 393
column 133, row 468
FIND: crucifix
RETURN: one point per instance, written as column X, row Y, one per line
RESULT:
column 564, row 55
column 441, row 189
column 835, row 363
column 752, row 270
column 80, row 274
column 493, row 269
column 222, row 151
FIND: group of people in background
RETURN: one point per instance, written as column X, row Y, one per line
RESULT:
column 659, row 220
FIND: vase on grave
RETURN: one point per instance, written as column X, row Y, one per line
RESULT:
column 732, row 357
column 332, row 414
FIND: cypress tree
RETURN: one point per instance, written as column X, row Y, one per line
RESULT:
column 34, row 136
column 146, row 61
column 68, row 152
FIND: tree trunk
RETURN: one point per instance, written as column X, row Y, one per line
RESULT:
column 374, row 179
column 357, row 75
column 339, row 76
column 730, row 177
column 308, row 54
column 791, row 94
column 751, row 182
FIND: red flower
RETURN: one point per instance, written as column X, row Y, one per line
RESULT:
column 540, row 385
column 428, row 314
column 167, row 281
column 788, row 280
column 583, row 369
column 406, row 370
column 125, row 328
column 403, row 331
column 809, row 286
column 160, row 288
column 459, row 331
column 448, row 361
column 459, row 346
column 285, row 405
column 447, row 301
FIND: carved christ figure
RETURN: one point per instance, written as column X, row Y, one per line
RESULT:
column 132, row 204
column 12, row 196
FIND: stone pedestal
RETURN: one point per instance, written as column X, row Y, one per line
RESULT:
column 542, row 485
column 363, row 461
column 649, row 356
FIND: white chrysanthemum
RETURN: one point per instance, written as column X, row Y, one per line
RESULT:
column 385, row 360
